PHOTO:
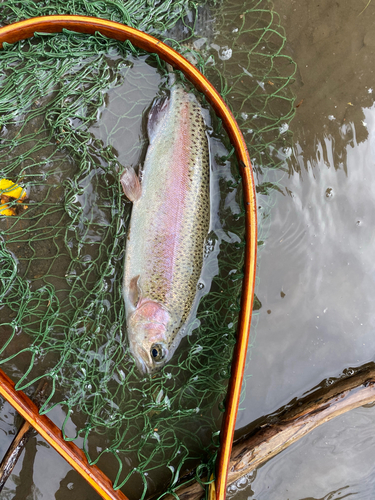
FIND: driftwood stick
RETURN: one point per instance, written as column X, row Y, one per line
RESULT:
column 292, row 422
column 19, row 442
column 14, row 452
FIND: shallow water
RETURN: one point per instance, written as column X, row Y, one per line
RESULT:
column 316, row 268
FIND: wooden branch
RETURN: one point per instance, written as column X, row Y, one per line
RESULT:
column 292, row 422
column 19, row 442
column 14, row 452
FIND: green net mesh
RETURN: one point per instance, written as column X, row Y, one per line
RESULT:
column 72, row 115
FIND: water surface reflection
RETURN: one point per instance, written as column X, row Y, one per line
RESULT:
column 316, row 268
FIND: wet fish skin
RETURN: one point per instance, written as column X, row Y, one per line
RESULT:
column 168, row 227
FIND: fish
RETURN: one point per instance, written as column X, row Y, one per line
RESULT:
column 168, row 228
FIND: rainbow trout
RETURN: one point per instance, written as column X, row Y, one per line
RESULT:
column 168, row 227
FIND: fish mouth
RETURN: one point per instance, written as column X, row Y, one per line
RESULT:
column 140, row 363
column 140, row 357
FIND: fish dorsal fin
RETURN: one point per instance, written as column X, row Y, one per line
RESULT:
column 157, row 112
column 134, row 291
column 131, row 184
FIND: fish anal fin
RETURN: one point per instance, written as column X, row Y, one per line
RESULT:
column 131, row 184
column 134, row 291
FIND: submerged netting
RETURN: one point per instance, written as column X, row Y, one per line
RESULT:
column 73, row 110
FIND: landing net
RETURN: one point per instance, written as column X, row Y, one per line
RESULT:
column 73, row 110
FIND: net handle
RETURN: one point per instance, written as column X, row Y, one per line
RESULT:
column 52, row 434
column 90, row 25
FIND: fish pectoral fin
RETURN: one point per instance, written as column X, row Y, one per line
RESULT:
column 134, row 291
column 131, row 184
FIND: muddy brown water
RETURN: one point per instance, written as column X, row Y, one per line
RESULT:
column 316, row 274
column 317, row 269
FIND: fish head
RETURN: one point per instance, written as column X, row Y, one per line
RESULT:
column 148, row 327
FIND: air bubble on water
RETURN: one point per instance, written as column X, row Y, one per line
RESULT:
column 331, row 117
column 358, row 223
column 200, row 286
column 209, row 247
column 284, row 128
column 287, row 152
column 224, row 53
column 242, row 482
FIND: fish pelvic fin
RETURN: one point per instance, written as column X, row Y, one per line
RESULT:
column 131, row 184
column 134, row 291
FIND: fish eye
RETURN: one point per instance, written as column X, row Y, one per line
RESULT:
column 157, row 352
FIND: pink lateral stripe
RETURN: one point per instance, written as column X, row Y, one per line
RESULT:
column 174, row 205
